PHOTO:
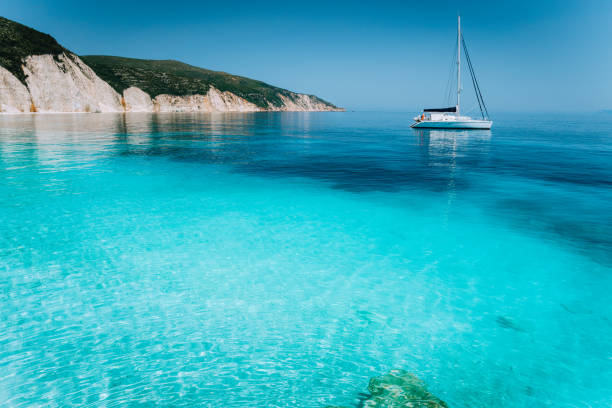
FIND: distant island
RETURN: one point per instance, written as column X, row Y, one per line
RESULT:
column 37, row 74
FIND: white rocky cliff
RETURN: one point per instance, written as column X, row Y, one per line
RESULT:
column 301, row 102
column 136, row 100
column 213, row 101
column 14, row 96
column 64, row 83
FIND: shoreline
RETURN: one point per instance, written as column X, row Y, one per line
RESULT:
column 195, row 111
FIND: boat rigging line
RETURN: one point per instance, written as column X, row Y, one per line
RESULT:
column 481, row 102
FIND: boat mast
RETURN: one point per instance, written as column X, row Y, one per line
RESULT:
column 458, row 61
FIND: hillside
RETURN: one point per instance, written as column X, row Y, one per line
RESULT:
column 37, row 74
column 18, row 42
column 157, row 77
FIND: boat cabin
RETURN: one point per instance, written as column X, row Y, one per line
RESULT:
column 437, row 114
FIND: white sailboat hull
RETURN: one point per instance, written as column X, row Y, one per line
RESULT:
column 453, row 124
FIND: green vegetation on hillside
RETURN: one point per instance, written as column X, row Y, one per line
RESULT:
column 171, row 77
column 18, row 41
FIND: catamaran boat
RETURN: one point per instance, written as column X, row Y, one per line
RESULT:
column 451, row 118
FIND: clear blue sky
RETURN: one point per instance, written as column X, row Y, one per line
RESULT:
column 529, row 55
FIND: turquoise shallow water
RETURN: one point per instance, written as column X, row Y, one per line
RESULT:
column 282, row 260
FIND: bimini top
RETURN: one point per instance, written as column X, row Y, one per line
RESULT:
column 451, row 109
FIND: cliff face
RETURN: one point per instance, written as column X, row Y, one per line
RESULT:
column 65, row 84
column 14, row 96
column 39, row 75
column 302, row 102
column 213, row 101
column 56, row 83
column 136, row 100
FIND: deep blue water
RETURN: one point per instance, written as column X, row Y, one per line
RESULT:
column 283, row 259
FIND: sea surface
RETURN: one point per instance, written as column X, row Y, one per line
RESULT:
column 284, row 259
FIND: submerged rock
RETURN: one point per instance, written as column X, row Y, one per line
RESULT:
column 576, row 308
column 399, row 389
column 508, row 323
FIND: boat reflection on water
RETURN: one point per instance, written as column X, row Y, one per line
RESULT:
column 443, row 142
column 444, row 148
